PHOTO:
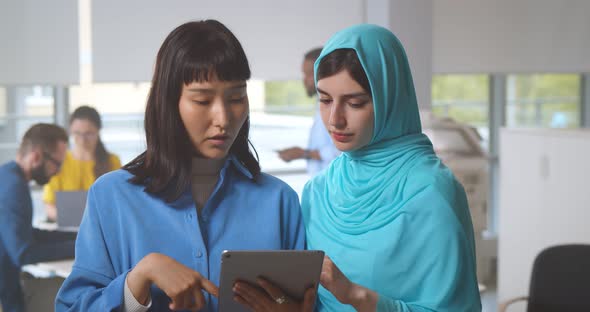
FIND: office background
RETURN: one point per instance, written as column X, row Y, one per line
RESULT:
column 508, row 64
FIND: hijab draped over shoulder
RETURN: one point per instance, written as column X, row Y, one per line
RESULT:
column 391, row 215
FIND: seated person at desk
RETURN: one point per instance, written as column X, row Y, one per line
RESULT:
column 87, row 161
column 39, row 157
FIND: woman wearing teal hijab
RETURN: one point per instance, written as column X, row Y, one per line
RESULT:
column 391, row 217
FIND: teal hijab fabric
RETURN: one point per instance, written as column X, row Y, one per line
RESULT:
column 390, row 215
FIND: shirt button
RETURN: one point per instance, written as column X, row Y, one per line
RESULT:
column 198, row 254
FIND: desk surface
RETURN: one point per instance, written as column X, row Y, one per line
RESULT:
column 52, row 226
column 61, row 268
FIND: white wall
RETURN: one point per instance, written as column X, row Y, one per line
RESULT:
column 511, row 36
column 40, row 38
column 39, row 42
column 544, row 200
column 411, row 22
column 275, row 34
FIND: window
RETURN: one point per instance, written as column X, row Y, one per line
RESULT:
column 32, row 105
column 2, row 105
column 543, row 100
column 5, row 138
column 27, row 106
column 282, row 119
column 3, row 112
column 288, row 97
column 121, row 106
column 464, row 98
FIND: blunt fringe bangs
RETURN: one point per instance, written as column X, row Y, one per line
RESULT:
column 216, row 54
column 193, row 52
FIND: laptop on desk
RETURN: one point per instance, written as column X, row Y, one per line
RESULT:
column 70, row 209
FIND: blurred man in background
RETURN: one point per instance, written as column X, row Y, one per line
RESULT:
column 41, row 153
column 320, row 150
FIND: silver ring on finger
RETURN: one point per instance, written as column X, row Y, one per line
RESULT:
column 281, row 300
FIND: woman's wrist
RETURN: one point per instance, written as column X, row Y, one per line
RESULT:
column 363, row 299
column 139, row 282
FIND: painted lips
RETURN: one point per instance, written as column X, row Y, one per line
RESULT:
column 341, row 137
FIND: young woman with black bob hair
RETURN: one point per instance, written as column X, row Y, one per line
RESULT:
column 153, row 232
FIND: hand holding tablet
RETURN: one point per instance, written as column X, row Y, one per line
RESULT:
column 267, row 297
column 283, row 280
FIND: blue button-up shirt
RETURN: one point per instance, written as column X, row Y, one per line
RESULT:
column 122, row 224
column 20, row 244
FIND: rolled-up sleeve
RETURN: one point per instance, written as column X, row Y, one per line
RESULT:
column 93, row 284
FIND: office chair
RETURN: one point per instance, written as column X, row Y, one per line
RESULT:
column 560, row 281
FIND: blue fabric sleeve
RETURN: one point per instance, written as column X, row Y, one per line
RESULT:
column 90, row 291
column 293, row 232
column 93, row 284
column 16, row 231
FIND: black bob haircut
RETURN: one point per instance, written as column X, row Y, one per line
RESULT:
column 193, row 52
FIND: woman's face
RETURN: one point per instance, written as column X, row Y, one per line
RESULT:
column 346, row 110
column 213, row 113
column 85, row 134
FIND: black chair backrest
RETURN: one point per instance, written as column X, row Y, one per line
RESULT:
column 560, row 281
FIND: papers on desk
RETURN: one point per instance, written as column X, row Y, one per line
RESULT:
column 52, row 226
column 61, row 268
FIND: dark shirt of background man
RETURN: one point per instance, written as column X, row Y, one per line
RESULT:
column 20, row 243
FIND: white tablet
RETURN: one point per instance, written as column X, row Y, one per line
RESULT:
column 294, row 271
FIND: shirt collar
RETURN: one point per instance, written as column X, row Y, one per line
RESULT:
column 232, row 159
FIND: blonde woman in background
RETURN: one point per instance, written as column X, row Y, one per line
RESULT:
column 85, row 162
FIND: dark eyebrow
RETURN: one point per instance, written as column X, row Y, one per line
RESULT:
column 322, row 91
column 349, row 95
